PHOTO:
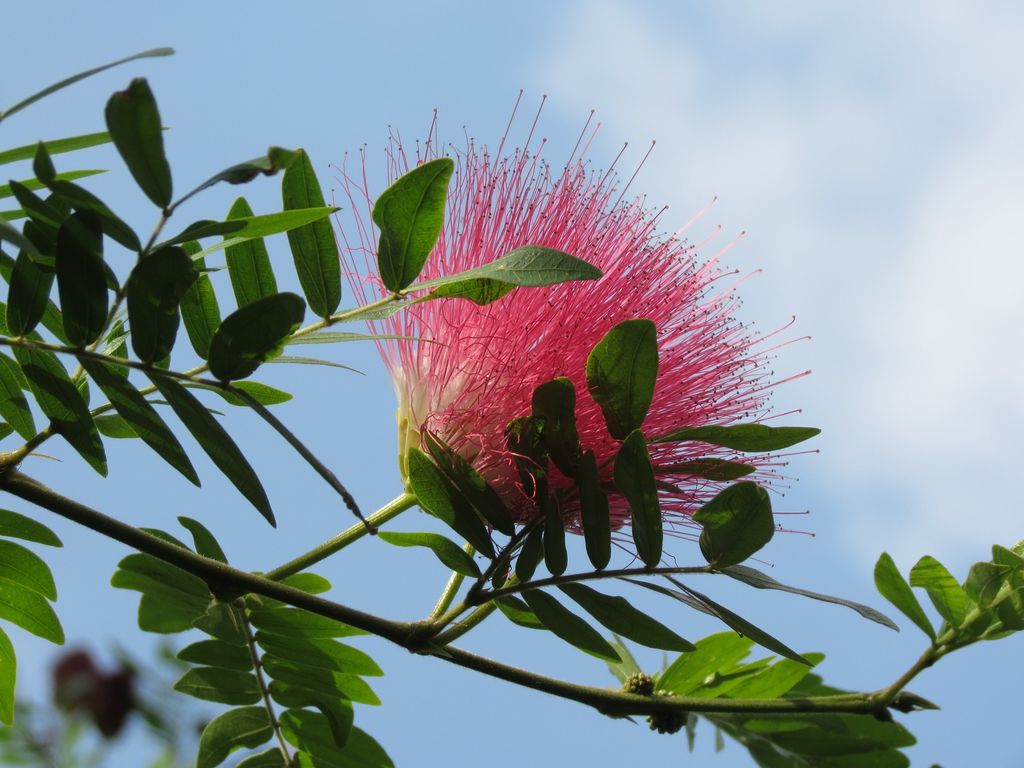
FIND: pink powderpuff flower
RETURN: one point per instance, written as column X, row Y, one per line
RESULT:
column 464, row 371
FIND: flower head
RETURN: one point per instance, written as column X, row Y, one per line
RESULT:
column 464, row 371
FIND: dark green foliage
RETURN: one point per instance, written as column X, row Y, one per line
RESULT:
column 447, row 551
column 249, row 269
column 134, row 124
column 314, row 249
column 620, row 617
column 254, row 333
column 735, row 524
column 751, row 438
column 594, row 514
column 555, row 402
column 468, row 482
column 621, row 372
column 410, row 214
column 568, row 626
column 153, row 291
column 634, row 478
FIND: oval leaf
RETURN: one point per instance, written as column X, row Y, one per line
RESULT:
column 153, row 291
column 244, row 727
column 621, row 373
column 735, row 524
column 410, row 214
column 529, row 266
column 28, row 294
column 314, row 249
column 25, row 568
column 134, row 125
column 30, row 611
column 253, row 333
column 447, row 551
column 225, row 686
column 634, row 478
column 555, row 402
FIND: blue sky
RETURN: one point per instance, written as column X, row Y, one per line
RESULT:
column 871, row 154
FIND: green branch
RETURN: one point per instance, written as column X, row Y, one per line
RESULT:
column 411, row 635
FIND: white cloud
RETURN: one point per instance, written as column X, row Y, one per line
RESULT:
column 875, row 159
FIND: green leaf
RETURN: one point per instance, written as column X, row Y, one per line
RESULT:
column 481, row 291
column 294, row 622
column 134, row 124
column 713, row 654
column 620, row 617
column 555, row 556
column 141, row 416
column 735, row 524
column 254, row 333
column 338, row 711
column 14, row 406
column 634, row 478
column 555, row 402
column 81, row 76
column 594, row 514
column 294, row 360
column 217, row 653
column 774, row 681
column 314, row 249
column 984, row 581
column 477, row 492
column 8, row 675
column 335, row 684
column 43, row 166
column 29, row 292
column 263, row 394
column 30, row 611
column 248, row 263
column 750, row 438
column 310, row 732
column 719, row 470
column 518, row 612
column 154, row 289
column 242, row 173
column 568, row 625
column 19, row 188
column 270, row 758
column 18, row 526
column 530, row 555
column 410, row 214
column 447, row 551
column 216, row 442
column 621, row 372
column 199, row 308
column 225, row 686
column 742, row 626
column 438, row 497
column 55, row 147
column 62, row 403
column 83, row 200
column 26, row 569
column 894, row 588
column 244, row 727
column 11, row 234
column 204, row 541
column 321, row 654
column 113, row 426
column 248, row 227
column 760, row 580
column 530, row 266
column 946, row 594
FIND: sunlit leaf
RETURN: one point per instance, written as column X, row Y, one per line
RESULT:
column 16, row 525
column 621, row 371
column 244, row 727
column 894, row 588
column 447, row 551
column 750, row 438
column 25, row 568
column 30, row 611
column 410, row 214
column 248, row 263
